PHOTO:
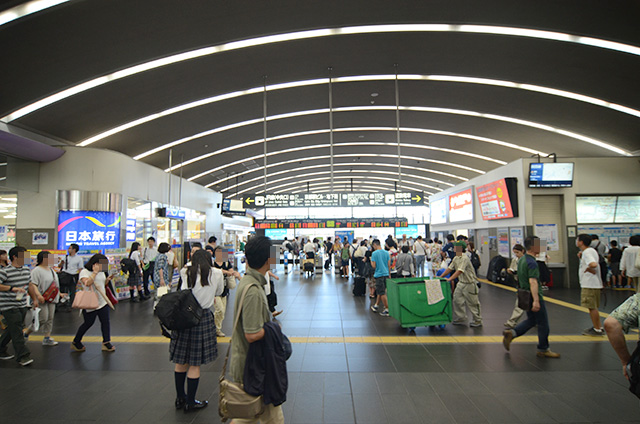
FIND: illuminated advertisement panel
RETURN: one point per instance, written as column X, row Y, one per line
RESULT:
column 439, row 211
column 461, row 206
column 494, row 200
column 89, row 229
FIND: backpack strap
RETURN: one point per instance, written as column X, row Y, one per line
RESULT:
column 235, row 325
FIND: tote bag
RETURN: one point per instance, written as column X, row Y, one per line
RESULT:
column 86, row 299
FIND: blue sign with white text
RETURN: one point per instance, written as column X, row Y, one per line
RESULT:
column 90, row 230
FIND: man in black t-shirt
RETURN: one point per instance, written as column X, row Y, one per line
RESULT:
column 328, row 247
column 615, row 256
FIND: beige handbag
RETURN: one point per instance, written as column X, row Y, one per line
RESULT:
column 230, row 281
column 234, row 401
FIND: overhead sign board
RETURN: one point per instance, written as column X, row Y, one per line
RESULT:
column 332, row 200
column 331, row 223
column 89, row 229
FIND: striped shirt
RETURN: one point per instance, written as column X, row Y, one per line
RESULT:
column 14, row 277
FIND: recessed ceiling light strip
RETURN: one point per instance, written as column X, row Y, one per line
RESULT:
column 309, row 34
column 27, row 9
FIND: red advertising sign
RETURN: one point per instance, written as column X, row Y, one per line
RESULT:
column 494, row 200
column 461, row 206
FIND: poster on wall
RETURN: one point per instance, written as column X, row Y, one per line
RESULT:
column 461, row 206
column 90, row 230
column 517, row 237
column 595, row 209
column 549, row 233
column 503, row 242
column 348, row 234
column 39, row 239
column 619, row 233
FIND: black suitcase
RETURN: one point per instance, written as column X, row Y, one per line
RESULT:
column 359, row 286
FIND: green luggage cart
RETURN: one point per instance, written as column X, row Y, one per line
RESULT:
column 409, row 305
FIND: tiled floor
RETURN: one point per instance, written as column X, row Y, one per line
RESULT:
column 385, row 382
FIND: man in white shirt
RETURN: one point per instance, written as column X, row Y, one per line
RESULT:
column 149, row 260
column 70, row 268
column 628, row 261
column 309, row 247
column 420, row 251
column 590, row 283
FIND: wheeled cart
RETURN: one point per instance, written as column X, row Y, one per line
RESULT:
column 408, row 303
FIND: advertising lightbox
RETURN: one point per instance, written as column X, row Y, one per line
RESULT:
column 498, row 200
column 90, row 230
column 439, row 211
column 461, row 206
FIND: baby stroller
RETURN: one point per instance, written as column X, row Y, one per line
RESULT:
column 309, row 264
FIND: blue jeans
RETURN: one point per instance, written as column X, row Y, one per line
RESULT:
column 539, row 319
column 420, row 265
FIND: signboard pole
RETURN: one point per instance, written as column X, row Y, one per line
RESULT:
column 331, row 122
column 398, row 126
column 170, row 173
column 264, row 130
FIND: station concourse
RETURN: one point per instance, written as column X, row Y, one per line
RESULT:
column 496, row 139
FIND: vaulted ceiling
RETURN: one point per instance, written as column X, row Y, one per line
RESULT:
column 479, row 84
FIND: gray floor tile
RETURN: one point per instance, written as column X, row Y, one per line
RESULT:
column 493, row 409
column 461, row 408
column 307, row 408
column 363, row 383
column 338, row 408
column 399, row 408
column 369, row 408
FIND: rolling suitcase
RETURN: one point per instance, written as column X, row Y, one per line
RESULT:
column 359, row 286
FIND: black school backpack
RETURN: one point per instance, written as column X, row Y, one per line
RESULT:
column 475, row 260
column 179, row 310
column 128, row 265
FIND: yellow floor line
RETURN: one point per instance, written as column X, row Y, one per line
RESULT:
column 356, row 340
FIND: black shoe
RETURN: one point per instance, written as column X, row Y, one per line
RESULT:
column 188, row 407
column 135, row 299
column 143, row 298
column 180, row 403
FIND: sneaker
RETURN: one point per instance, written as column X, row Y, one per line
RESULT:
column 548, row 354
column 78, row 347
column 108, row 347
column 25, row 361
column 475, row 324
column 507, row 338
column 459, row 322
column 374, row 308
column 220, row 334
column 384, row 313
column 5, row 356
column 593, row 332
column 48, row 341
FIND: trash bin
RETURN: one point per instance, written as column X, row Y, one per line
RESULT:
column 409, row 305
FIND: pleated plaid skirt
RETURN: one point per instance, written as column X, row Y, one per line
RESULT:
column 135, row 278
column 197, row 345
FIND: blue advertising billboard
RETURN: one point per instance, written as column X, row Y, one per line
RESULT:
column 89, row 229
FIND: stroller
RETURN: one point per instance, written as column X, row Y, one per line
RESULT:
column 309, row 264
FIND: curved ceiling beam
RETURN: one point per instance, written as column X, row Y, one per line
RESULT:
column 317, row 33
column 370, row 108
column 354, row 129
column 370, row 170
column 354, row 155
column 445, row 78
column 27, row 9
column 390, row 181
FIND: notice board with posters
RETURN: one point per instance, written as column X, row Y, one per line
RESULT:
column 90, row 230
column 499, row 199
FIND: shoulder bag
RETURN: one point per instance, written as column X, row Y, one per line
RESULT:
column 52, row 292
column 234, row 401
column 525, row 300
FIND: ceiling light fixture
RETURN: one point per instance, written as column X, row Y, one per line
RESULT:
column 316, row 33
column 26, row 9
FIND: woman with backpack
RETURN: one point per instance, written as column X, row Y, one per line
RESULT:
column 196, row 346
column 47, row 291
column 135, row 274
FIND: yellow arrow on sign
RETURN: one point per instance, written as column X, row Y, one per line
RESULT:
column 417, row 198
column 249, row 201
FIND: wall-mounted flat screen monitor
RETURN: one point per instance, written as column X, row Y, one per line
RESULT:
column 438, row 210
column 499, row 199
column 461, row 206
column 232, row 206
column 600, row 209
column 550, row 175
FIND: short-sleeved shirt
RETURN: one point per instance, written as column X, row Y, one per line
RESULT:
column 463, row 264
column 135, row 256
column 162, row 266
column 628, row 314
column 381, row 257
column 14, row 277
column 99, row 283
column 149, row 254
column 528, row 268
column 72, row 264
column 255, row 313
column 616, row 255
column 587, row 279
column 43, row 278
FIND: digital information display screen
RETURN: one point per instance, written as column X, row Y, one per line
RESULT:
column 550, row 175
column 494, row 201
column 267, row 224
column 439, row 211
column 607, row 209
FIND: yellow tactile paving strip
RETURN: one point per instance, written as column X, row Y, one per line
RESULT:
column 386, row 339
